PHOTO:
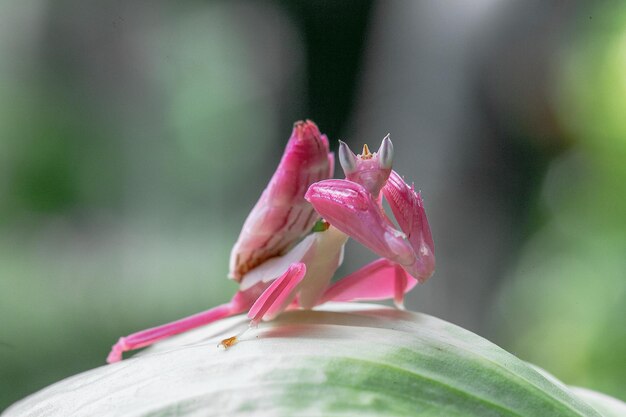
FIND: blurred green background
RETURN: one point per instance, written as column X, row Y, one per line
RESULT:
column 136, row 136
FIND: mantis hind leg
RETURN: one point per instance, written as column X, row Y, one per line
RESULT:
column 262, row 304
column 378, row 280
column 239, row 303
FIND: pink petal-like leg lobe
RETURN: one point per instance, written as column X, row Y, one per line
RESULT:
column 378, row 280
column 239, row 303
column 408, row 209
column 352, row 209
column 278, row 295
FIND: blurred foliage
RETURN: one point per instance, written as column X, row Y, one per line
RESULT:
column 565, row 306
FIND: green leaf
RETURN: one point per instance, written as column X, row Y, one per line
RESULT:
column 347, row 360
column 607, row 406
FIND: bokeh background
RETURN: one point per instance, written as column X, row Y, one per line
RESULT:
column 136, row 136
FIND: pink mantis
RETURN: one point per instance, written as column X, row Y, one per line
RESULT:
column 285, row 256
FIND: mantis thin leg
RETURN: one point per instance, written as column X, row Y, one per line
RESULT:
column 144, row 338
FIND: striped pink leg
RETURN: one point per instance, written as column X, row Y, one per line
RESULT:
column 239, row 303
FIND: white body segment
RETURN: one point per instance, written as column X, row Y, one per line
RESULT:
column 322, row 261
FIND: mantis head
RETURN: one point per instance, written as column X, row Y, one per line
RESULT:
column 371, row 170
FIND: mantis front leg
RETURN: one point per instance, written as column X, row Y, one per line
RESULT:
column 354, row 207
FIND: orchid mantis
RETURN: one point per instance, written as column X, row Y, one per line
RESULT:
column 286, row 255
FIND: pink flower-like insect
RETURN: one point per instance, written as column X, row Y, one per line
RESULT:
column 286, row 255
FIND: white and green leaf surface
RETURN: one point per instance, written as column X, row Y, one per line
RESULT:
column 345, row 360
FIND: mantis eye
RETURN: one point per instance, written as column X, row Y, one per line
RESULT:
column 347, row 158
column 385, row 153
